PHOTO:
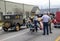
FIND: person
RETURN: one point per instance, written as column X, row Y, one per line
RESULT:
column 45, row 19
column 27, row 22
column 24, row 22
column 35, row 19
column 50, row 22
column 31, row 25
column 40, row 23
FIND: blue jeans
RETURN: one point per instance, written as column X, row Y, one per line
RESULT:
column 35, row 25
column 45, row 28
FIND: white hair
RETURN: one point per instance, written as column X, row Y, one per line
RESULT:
column 45, row 12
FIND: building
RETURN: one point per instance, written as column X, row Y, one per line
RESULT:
column 12, row 8
column 2, row 9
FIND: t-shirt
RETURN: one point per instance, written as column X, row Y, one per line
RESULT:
column 46, row 18
column 35, row 18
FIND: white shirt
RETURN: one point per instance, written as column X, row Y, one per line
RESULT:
column 35, row 18
column 46, row 18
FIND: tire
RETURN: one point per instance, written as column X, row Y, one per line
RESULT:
column 55, row 26
column 5, row 29
column 17, row 27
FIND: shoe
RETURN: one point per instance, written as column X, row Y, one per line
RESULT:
column 47, row 34
column 50, row 32
column 43, row 34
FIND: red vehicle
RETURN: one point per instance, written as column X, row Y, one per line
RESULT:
column 57, row 19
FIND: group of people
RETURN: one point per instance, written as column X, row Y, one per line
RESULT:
column 44, row 23
column 47, row 19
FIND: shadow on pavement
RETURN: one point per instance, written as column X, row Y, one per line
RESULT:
column 10, row 31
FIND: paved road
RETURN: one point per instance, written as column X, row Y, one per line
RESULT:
column 26, row 35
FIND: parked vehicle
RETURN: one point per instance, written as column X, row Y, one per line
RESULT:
column 56, row 20
column 12, row 22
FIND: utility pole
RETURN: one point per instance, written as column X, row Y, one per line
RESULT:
column 23, row 10
column 49, row 5
column 5, row 6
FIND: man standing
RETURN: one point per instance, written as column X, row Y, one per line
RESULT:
column 24, row 22
column 50, row 22
column 35, row 22
column 46, row 20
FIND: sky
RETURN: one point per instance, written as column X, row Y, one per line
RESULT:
column 40, row 3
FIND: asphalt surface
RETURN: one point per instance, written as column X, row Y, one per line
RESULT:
column 26, row 35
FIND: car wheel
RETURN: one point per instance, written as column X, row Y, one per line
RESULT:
column 5, row 29
column 55, row 26
column 17, row 28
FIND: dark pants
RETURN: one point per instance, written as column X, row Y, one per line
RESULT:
column 35, row 25
column 45, row 28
